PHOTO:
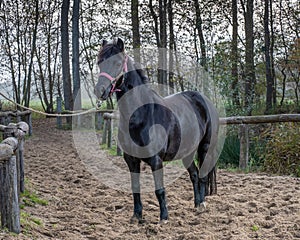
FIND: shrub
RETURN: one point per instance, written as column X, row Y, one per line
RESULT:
column 230, row 153
column 282, row 154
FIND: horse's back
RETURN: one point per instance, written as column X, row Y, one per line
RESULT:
column 195, row 114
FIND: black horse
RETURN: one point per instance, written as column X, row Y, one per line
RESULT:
column 155, row 129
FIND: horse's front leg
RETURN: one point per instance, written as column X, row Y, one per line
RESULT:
column 157, row 170
column 134, row 167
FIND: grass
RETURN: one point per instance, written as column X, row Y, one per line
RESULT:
column 28, row 223
column 112, row 151
column 31, row 199
column 255, row 228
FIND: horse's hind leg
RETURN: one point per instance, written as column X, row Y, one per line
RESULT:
column 134, row 167
column 205, row 177
column 190, row 165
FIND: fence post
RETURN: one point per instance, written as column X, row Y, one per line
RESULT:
column 109, row 132
column 18, row 131
column 7, row 119
column 23, row 129
column 30, row 124
column 98, row 120
column 58, row 110
column 244, row 146
column 119, row 151
column 9, row 208
column 104, row 135
column 18, row 116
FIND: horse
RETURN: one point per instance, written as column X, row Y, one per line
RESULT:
column 155, row 129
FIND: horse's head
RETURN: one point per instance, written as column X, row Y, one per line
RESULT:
column 112, row 63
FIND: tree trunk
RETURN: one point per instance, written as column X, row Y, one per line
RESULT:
column 171, row 47
column 200, row 34
column 249, row 57
column 285, row 60
column 11, row 60
column 272, row 42
column 75, row 57
column 152, row 12
column 27, row 91
column 68, row 101
column 234, row 55
column 269, row 79
column 136, row 43
column 162, row 57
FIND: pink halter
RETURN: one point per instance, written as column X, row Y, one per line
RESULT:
column 114, row 80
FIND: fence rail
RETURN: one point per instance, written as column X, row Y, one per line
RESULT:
column 242, row 121
column 12, row 174
column 6, row 118
column 261, row 119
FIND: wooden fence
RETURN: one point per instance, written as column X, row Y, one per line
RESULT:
column 6, row 117
column 12, row 173
column 245, row 121
column 242, row 121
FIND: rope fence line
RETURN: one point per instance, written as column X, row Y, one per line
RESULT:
column 68, row 114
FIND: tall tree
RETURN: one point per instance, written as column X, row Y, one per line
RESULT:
column 272, row 44
column 162, row 58
column 75, row 55
column 172, row 46
column 269, row 77
column 199, row 27
column 9, row 53
column 67, row 86
column 234, row 55
column 155, row 20
column 27, row 86
column 136, row 38
column 250, row 80
column 160, row 30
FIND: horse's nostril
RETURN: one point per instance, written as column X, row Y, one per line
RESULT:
column 99, row 90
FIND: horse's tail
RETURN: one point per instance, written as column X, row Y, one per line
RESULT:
column 211, row 184
column 208, row 151
column 208, row 170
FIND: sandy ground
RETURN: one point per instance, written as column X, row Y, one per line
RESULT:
column 247, row 206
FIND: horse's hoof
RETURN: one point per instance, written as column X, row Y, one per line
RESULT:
column 163, row 222
column 201, row 208
column 137, row 220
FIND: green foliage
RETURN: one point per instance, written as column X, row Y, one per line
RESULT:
column 230, row 153
column 283, row 149
column 257, row 151
column 36, row 105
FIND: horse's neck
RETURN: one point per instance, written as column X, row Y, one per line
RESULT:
column 140, row 95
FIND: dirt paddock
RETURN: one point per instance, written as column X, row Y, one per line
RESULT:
column 247, row 206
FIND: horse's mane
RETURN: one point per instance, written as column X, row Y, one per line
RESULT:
column 141, row 73
column 106, row 50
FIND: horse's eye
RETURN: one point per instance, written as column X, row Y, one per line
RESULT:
column 116, row 63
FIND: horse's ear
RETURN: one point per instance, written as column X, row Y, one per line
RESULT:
column 120, row 44
column 104, row 42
